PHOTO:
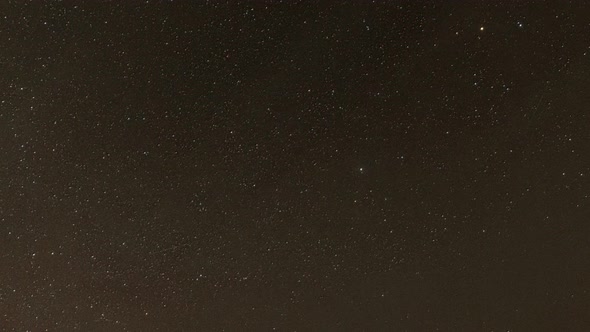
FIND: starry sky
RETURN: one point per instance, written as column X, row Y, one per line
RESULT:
column 294, row 166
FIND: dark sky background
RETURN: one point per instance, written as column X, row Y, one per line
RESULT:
column 295, row 166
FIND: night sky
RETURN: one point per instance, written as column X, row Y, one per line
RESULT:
column 295, row 166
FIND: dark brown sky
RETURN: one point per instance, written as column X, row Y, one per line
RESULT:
column 298, row 166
